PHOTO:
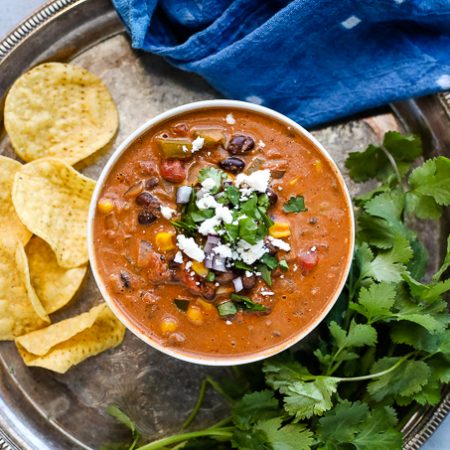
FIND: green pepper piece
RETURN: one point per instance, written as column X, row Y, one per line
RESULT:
column 179, row 148
column 212, row 136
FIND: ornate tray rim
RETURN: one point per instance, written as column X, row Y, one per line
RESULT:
column 425, row 421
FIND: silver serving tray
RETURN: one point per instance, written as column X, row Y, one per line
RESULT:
column 41, row 410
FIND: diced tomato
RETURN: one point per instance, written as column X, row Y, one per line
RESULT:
column 308, row 261
column 173, row 170
column 191, row 283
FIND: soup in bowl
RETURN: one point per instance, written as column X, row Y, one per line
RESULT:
column 221, row 232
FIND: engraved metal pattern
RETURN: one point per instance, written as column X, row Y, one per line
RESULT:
column 32, row 23
column 424, row 422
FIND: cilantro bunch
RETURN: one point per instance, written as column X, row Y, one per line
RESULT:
column 383, row 351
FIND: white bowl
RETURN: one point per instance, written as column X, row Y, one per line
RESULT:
column 212, row 360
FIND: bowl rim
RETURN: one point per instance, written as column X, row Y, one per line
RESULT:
column 205, row 359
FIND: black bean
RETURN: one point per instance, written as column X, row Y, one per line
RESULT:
column 125, row 279
column 232, row 164
column 273, row 197
column 249, row 282
column 225, row 277
column 270, row 247
column 147, row 199
column 208, row 291
column 151, row 183
column 146, row 217
column 240, row 144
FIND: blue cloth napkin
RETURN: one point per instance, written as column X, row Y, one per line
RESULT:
column 314, row 60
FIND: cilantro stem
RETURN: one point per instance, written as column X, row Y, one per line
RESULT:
column 225, row 433
column 378, row 374
column 201, row 396
column 394, row 166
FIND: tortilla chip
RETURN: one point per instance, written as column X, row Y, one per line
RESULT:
column 59, row 110
column 52, row 200
column 54, row 285
column 65, row 344
column 20, row 308
column 11, row 226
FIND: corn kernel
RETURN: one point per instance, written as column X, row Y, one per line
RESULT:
column 105, row 205
column 168, row 325
column 280, row 230
column 317, row 164
column 199, row 268
column 205, row 305
column 293, row 181
column 195, row 315
column 164, row 241
column 231, row 177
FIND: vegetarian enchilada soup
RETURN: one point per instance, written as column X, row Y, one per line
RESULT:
column 222, row 232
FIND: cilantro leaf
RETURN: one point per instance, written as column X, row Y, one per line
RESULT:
column 374, row 163
column 254, row 407
column 270, row 261
column 295, row 205
column 376, row 301
column 399, row 384
column 340, row 425
column 282, row 371
column 287, row 437
column 248, row 230
column 389, row 266
column 358, row 335
column 266, row 274
column 248, row 440
column 420, row 338
column 432, row 179
column 247, row 303
column 304, row 399
column 233, row 195
column 379, row 428
column 215, row 174
column 445, row 264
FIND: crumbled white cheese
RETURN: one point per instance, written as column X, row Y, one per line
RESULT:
column 178, row 257
column 188, row 265
column 208, row 226
column 167, row 212
column 261, row 144
column 223, row 250
column 216, row 284
column 267, row 293
column 208, row 184
column 257, row 181
column 190, row 248
column 197, row 144
column 185, row 149
column 279, row 243
column 295, row 268
column 248, row 273
column 197, row 283
column 251, row 253
column 280, row 188
column 223, row 213
column 207, row 201
column 230, row 119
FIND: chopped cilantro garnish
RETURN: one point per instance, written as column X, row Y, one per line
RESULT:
column 215, row 174
column 270, row 261
column 233, row 194
column 249, row 230
column 202, row 215
column 266, row 274
column 241, row 265
column 247, row 303
column 295, row 205
column 283, row 264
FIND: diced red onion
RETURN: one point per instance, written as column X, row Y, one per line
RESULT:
column 211, row 242
column 219, row 264
column 183, row 194
column 209, row 261
column 238, row 285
